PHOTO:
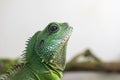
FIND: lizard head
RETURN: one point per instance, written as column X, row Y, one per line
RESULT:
column 50, row 44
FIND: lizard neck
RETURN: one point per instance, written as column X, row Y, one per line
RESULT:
column 36, row 64
column 38, row 67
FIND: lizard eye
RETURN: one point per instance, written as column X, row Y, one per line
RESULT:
column 53, row 28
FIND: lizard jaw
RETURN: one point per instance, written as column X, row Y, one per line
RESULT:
column 66, row 38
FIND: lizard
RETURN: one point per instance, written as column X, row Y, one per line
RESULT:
column 45, row 55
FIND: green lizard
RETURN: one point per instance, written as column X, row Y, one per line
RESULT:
column 45, row 55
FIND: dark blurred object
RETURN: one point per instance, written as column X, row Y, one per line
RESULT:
column 6, row 64
column 87, row 61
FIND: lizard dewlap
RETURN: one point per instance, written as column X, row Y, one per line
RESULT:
column 45, row 55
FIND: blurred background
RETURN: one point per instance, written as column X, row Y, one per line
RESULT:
column 96, row 26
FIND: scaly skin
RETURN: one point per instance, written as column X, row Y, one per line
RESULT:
column 45, row 55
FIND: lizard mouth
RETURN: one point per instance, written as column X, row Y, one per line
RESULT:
column 66, row 38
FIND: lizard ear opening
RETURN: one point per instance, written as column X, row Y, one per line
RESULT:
column 41, row 43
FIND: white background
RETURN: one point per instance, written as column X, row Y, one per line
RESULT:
column 96, row 25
